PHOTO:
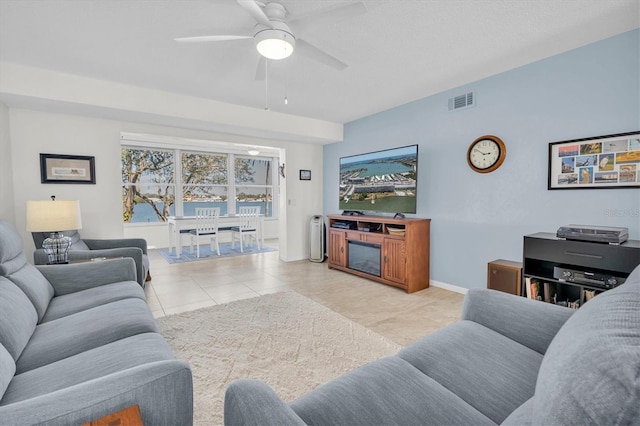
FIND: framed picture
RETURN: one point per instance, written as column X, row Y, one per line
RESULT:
column 55, row 168
column 611, row 161
column 305, row 174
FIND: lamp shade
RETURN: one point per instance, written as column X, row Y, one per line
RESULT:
column 52, row 216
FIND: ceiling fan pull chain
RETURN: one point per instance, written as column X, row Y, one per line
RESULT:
column 286, row 100
column 266, row 85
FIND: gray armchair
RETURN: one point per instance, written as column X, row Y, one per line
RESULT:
column 83, row 248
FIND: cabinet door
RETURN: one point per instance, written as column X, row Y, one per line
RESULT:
column 336, row 249
column 394, row 260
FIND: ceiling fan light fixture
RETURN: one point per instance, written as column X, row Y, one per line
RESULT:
column 275, row 43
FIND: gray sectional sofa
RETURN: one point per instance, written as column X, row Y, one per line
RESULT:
column 78, row 342
column 509, row 361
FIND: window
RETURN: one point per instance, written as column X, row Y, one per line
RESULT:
column 204, row 181
column 253, row 177
column 148, row 187
column 158, row 183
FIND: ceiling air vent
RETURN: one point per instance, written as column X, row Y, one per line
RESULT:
column 463, row 101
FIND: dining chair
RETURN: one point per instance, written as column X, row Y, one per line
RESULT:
column 247, row 227
column 206, row 224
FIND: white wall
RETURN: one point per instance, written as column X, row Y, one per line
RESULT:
column 35, row 88
column 303, row 198
column 6, row 178
column 34, row 132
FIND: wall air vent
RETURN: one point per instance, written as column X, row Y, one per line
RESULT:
column 462, row 101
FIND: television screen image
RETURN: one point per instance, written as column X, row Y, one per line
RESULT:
column 381, row 181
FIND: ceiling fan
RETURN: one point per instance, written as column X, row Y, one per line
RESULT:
column 273, row 34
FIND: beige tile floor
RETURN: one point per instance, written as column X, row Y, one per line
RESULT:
column 389, row 311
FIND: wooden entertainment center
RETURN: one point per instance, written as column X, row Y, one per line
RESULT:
column 391, row 251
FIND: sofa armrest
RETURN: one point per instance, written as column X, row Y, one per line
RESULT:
column 41, row 258
column 95, row 244
column 67, row 279
column 163, row 390
column 252, row 402
column 529, row 322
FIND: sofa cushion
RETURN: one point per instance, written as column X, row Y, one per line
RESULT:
column 73, row 334
column 13, row 265
column 7, row 369
column 35, row 286
column 95, row 363
column 591, row 370
column 515, row 317
column 18, row 318
column 72, row 303
column 11, row 246
column 489, row 371
column 389, row 391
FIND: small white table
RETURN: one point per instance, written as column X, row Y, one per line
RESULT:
column 181, row 223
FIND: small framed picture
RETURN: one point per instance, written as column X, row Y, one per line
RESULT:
column 305, row 174
column 55, row 168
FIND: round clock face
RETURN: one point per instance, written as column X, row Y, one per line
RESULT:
column 486, row 154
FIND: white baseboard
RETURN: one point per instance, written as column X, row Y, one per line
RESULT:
column 449, row 287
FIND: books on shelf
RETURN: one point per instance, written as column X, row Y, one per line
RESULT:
column 553, row 292
column 533, row 289
column 544, row 291
column 550, row 293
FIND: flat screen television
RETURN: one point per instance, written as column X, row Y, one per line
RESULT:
column 381, row 181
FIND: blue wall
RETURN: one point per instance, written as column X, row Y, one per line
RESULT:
column 476, row 218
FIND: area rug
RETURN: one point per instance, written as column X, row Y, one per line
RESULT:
column 284, row 339
column 207, row 254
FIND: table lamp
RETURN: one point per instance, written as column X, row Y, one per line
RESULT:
column 54, row 217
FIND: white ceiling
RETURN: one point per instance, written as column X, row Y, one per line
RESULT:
column 398, row 51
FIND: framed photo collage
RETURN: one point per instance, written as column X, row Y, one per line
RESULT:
column 611, row 161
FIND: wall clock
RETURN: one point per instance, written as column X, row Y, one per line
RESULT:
column 486, row 154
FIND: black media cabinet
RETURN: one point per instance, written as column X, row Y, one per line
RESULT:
column 569, row 272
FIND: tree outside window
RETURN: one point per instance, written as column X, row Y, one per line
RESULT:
column 147, row 180
column 254, row 187
column 204, row 181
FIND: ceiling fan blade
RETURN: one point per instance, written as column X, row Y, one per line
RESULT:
column 256, row 11
column 328, row 15
column 261, row 69
column 312, row 52
column 200, row 39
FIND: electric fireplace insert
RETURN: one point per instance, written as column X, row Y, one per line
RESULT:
column 364, row 257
